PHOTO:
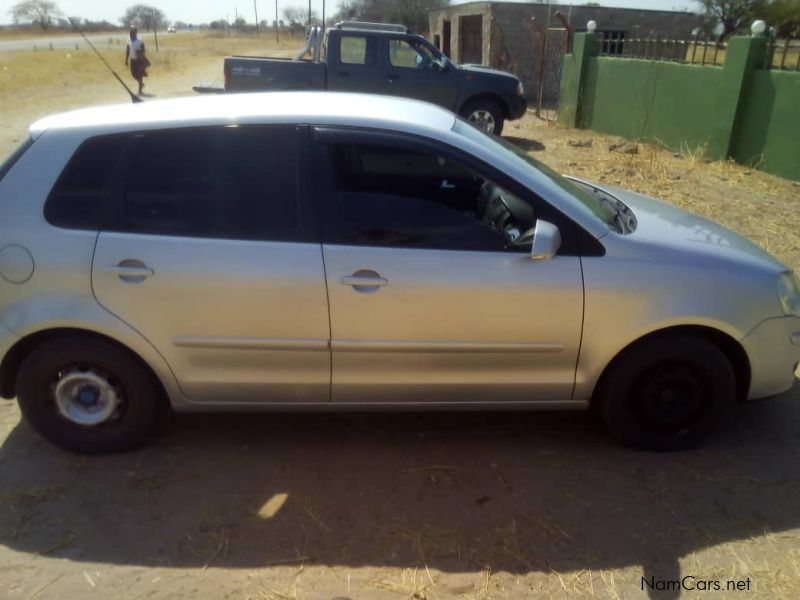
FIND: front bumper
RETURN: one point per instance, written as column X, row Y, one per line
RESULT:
column 517, row 106
column 773, row 347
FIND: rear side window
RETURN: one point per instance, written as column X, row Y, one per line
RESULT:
column 14, row 157
column 358, row 50
column 233, row 183
column 83, row 189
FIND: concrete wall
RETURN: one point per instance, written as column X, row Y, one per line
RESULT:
column 740, row 110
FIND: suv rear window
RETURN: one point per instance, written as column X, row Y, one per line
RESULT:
column 78, row 198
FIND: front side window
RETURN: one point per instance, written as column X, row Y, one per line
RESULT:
column 357, row 50
column 598, row 208
column 232, row 182
column 404, row 54
column 397, row 197
column 80, row 195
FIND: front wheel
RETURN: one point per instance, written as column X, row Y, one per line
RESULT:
column 89, row 396
column 667, row 393
column 486, row 115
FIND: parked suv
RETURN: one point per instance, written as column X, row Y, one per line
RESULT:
column 344, row 252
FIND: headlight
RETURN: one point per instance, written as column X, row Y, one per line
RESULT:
column 520, row 89
column 789, row 293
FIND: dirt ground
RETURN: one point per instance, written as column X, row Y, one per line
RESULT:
column 408, row 506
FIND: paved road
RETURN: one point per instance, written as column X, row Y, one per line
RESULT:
column 61, row 42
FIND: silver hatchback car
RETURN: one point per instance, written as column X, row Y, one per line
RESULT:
column 347, row 252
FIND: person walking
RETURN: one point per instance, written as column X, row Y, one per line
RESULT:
column 135, row 54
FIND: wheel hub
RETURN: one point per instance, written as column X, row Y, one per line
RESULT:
column 483, row 119
column 86, row 397
column 671, row 396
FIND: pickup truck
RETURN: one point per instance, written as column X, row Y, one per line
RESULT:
column 377, row 58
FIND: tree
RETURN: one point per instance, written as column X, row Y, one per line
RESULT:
column 784, row 15
column 38, row 12
column 733, row 15
column 143, row 16
column 411, row 13
column 298, row 17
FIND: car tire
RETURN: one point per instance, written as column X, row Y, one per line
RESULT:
column 485, row 114
column 667, row 393
column 89, row 396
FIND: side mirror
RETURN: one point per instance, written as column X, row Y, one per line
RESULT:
column 546, row 241
column 439, row 65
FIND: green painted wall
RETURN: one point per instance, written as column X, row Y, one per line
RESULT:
column 738, row 111
column 768, row 131
column 657, row 101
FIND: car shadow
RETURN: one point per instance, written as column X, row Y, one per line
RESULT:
column 526, row 144
column 515, row 492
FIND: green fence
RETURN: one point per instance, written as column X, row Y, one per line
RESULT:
column 740, row 110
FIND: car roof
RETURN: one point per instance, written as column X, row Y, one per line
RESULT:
column 271, row 107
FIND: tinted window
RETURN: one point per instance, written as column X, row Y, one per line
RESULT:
column 357, row 50
column 78, row 198
column 236, row 183
column 390, row 196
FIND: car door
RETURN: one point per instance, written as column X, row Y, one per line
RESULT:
column 209, row 254
column 427, row 303
column 412, row 71
column 353, row 64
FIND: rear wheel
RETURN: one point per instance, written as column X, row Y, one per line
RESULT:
column 485, row 115
column 88, row 395
column 667, row 393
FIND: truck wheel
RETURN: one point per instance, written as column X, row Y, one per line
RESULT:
column 89, row 396
column 667, row 393
column 485, row 115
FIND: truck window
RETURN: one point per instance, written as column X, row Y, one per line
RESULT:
column 403, row 53
column 357, row 50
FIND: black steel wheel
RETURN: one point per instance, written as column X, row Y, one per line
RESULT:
column 667, row 393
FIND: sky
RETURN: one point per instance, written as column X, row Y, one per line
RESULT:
column 204, row 11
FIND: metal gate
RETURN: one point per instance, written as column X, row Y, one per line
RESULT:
column 554, row 44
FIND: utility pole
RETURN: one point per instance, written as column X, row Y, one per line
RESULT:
column 155, row 28
column 277, row 24
column 255, row 8
column 323, row 16
column 309, row 14
column 236, row 18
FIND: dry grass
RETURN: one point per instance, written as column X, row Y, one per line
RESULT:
column 763, row 207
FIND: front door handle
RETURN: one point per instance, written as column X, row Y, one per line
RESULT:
column 131, row 271
column 365, row 281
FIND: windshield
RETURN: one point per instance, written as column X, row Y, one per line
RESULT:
column 601, row 210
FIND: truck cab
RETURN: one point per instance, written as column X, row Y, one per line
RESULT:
column 378, row 58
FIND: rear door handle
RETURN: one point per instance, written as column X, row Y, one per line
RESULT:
column 131, row 271
column 393, row 78
column 364, row 281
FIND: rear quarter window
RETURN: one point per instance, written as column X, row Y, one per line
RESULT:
column 84, row 188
